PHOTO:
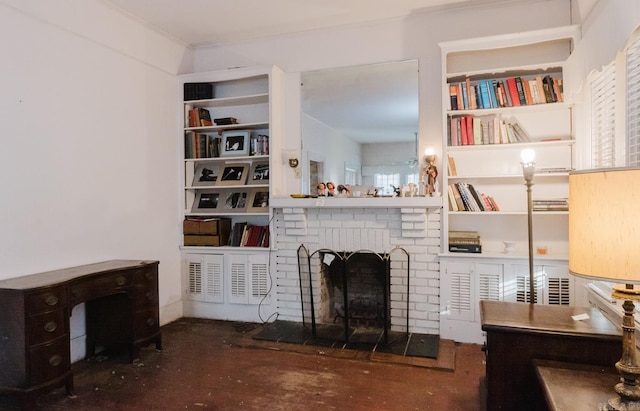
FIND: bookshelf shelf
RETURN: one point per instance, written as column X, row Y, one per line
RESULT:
column 486, row 166
column 226, row 187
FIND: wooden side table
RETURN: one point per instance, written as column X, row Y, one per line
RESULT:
column 576, row 387
column 518, row 333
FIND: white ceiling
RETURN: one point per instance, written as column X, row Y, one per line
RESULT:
column 198, row 22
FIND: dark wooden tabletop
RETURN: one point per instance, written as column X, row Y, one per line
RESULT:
column 66, row 274
column 576, row 387
column 532, row 318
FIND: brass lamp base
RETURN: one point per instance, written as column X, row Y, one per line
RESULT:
column 628, row 389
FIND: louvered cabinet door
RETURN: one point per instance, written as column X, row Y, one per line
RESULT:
column 466, row 283
column 203, row 277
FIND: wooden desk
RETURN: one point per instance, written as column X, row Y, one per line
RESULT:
column 121, row 299
column 576, row 387
column 518, row 333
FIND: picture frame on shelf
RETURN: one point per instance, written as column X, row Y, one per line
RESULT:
column 235, row 200
column 233, row 174
column 259, row 173
column 258, row 201
column 206, row 174
column 206, row 201
column 235, row 143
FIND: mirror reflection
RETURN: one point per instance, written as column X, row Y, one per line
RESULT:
column 360, row 126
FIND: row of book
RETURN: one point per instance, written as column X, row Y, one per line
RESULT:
column 508, row 92
column 200, row 145
column 464, row 242
column 244, row 234
column 464, row 197
column 199, row 117
column 470, row 130
column 551, row 204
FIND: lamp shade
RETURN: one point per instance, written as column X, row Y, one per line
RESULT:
column 604, row 224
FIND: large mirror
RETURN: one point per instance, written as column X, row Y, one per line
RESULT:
column 360, row 126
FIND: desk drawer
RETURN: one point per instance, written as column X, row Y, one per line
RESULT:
column 48, row 299
column 101, row 286
column 145, row 323
column 49, row 361
column 43, row 328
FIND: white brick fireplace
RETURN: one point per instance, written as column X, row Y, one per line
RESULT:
column 375, row 224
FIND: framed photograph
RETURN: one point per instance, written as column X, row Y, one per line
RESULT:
column 235, row 143
column 235, row 200
column 233, row 174
column 206, row 201
column 206, row 174
column 259, row 173
column 258, row 201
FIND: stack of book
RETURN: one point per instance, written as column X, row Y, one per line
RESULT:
column 464, row 242
column 225, row 121
column 551, row 204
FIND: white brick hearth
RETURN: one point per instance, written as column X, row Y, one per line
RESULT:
column 330, row 225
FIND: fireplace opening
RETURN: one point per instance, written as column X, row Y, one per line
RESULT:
column 353, row 291
column 350, row 290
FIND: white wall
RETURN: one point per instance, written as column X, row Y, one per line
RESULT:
column 413, row 37
column 89, row 119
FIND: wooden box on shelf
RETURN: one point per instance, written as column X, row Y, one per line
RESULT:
column 206, row 232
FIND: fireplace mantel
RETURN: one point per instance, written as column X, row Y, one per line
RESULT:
column 351, row 202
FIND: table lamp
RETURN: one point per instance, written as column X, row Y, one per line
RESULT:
column 604, row 241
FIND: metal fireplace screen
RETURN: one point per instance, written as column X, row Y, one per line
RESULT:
column 352, row 289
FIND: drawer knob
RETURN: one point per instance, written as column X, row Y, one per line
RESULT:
column 150, row 295
column 149, row 275
column 151, row 321
column 121, row 280
column 51, row 300
column 50, row 326
column 55, row 360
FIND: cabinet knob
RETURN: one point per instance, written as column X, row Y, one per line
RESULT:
column 55, row 360
column 51, row 300
column 50, row 326
column 121, row 280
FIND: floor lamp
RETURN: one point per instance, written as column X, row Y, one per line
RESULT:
column 604, row 236
column 527, row 157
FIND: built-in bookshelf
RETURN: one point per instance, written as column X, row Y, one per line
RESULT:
column 226, row 142
column 501, row 95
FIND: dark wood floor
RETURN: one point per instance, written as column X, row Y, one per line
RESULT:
column 217, row 365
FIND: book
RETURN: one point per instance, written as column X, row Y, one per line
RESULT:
column 453, row 97
column 521, row 96
column 204, row 117
column 513, row 91
column 453, row 205
column 225, row 121
column 452, row 166
column 468, row 241
column 463, row 234
column 465, row 248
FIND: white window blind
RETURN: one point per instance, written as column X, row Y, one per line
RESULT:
column 633, row 104
column 603, row 107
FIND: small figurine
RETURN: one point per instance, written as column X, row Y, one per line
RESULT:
column 321, row 190
column 432, row 182
column 344, row 190
column 331, row 189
